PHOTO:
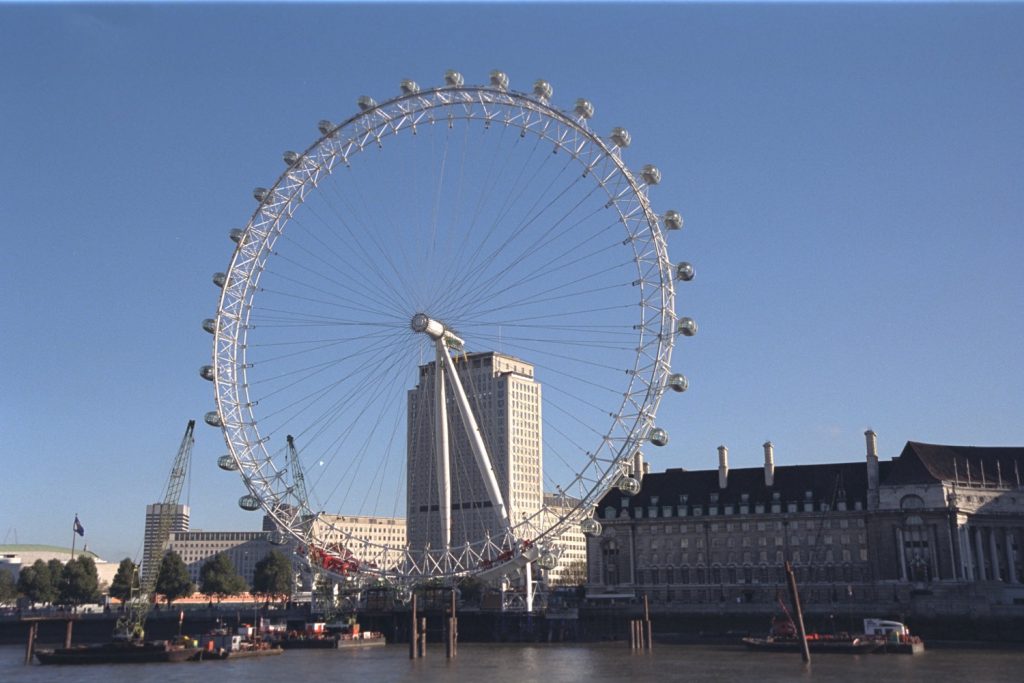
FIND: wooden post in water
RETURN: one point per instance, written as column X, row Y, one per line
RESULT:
column 649, row 642
column 423, row 636
column 794, row 596
column 452, row 632
column 30, row 648
column 414, row 640
column 67, row 633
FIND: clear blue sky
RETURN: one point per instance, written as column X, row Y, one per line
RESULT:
column 852, row 178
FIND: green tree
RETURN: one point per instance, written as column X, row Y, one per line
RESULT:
column 56, row 569
column 272, row 577
column 173, row 581
column 121, row 586
column 35, row 584
column 8, row 588
column 79, row 582
column 218, row 577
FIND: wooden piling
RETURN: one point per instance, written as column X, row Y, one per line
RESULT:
column 423, row 636
column 67, row 633
column 30, row 648
column 414, row 640
column 649, row 640
column 794, row 596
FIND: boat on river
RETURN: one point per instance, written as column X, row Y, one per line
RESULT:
column 319, row 636
column 119, row 652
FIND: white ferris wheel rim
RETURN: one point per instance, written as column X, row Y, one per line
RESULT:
column 645, row 383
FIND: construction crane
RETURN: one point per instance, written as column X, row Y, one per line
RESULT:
column 131, row 623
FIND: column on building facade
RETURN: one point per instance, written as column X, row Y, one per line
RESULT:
column 997, row 572
column 963, row 532
column 1011, row 556
column 933, row 551
column 902, row 552
column 979, row 549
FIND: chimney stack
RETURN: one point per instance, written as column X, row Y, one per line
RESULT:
column 872, row 459
column 769, row 464
column 723, row 467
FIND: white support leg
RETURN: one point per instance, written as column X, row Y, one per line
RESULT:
column 476, row 439
column 528, row 573
column 444, row 481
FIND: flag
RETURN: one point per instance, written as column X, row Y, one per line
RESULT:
column 79, row 529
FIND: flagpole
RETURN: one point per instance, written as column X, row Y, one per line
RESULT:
column 74, row 532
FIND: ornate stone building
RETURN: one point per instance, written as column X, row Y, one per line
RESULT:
column 917, row 527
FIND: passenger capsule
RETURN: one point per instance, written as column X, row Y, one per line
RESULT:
column 236, row 235
column 249, row 502
column 584, row 109
column 277, row 538
column 658, row 436
column 673, row 220
column 543, row 89
column 404, row 595
column 325, row 127
column 621, row 138
column 206, row 372
column 227, row 463
column 453, row 78
column 213, row 419
column 687, row 327
column 546, row 560
column 409, row 87
column 220, row 279
column 291, row 157
column 366, row 102
column 499, row 79
column 629, row 486
column 260, row 193
column 590, row 526
column 651, row 174
column 210, row 325
column 678, row 382
column 684, row 271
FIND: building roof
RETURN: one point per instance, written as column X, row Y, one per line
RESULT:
column 55, row 550
column 845, row 482
column 923, row 463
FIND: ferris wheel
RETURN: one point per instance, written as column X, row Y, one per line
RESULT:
column 454, row 313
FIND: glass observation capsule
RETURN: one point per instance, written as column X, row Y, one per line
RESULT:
column 206, row 372
column 590, row 527
column 249, row 502
column 260, row 193
column 678, row 382
column 409, row 87
column 210, row 325
column 629, row 486
column 291, row 157
column 227, row 463
column 651, row 174
column 499, row 79
column 658, row 436
column 453, row 78
column 277, row 538
column 543, row 89
column 366, row 102
column 325, row 127
column 684, row 271
column 687, row 327
column 621, row 138
column 236, row 235
column 220, row 279
column 546, row 561
column 213, row 419
column 584, row 109
column 673, row 220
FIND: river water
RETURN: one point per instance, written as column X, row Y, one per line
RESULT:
column 554, row 663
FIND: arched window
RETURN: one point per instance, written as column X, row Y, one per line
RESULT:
column 911, row 502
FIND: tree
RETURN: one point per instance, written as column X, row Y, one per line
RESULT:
column 56, row 569
column 173, row 581
column 35, row 584
column 219, row 577
column 272, row 577
column 79, row 582
column 121, row 586
column 8, row 588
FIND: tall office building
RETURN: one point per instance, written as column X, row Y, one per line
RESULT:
column 506, row 402
column 152, row 551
